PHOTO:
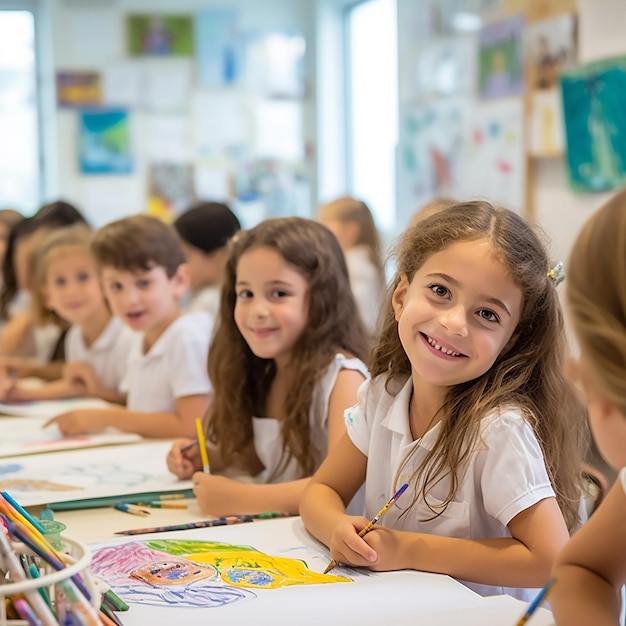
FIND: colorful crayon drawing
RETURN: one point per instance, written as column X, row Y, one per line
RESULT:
column 191, row 573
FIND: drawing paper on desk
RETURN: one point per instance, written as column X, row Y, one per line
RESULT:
column 275, row 566
column 50, row 408
column 84, row 474
column 193, row 573
column 26, row 435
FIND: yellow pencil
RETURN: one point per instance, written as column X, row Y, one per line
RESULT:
column 202, row 444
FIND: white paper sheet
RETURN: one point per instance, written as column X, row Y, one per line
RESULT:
column 49, row 408
column 95, row 473
column 26, row 435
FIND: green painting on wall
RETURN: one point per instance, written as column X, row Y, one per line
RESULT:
column 594, row 107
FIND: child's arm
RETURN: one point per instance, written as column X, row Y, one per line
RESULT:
column 16, row 337
column 591, row 569
column 521, row 561
column 156, row 425
column 218, row 495
column 15, row 392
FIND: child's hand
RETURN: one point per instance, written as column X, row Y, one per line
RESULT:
column 82, row 378
column 347, row 547
column 79, row 422
column 183, row 459
column 217, row 495
column 9, row 391
column 391, row 553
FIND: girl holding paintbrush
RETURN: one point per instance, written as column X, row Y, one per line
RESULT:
column 285, row 363
column 466, row 404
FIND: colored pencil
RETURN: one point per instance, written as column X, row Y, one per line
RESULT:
column 218, row 521
column 202, row 443
column 374, row 520
column 24, row 514
column 133, row 509
column 536, row 603
column 163, row 504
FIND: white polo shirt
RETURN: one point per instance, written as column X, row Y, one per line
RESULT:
column 108, row 354
column 505, row 475
column 175, row 366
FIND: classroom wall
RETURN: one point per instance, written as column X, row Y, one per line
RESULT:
column 106, row 197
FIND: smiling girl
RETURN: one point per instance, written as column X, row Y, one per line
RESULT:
column 285, row 363
column 468, row 405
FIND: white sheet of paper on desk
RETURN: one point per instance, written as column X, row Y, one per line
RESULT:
column 85, row 474
column 50, row 408
column 26, row 435
column 370, row 599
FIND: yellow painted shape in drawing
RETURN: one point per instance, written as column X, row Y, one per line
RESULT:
column 257, row 570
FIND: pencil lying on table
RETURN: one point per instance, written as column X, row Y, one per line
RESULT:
column 374, row 520
column 218, row 521
column 133, row 509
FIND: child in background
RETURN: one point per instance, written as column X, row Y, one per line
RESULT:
column 31, row 345
column 204, row 230
column 467, row 404
column 96, row 344
column 143, row 272
column 8, row 219
column 352, row 223
column 284, row 364
column 591, row 569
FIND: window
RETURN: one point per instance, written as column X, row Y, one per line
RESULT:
column 19, row 136
column 372, row 109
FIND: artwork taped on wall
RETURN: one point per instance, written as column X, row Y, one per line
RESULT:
column 594, row 101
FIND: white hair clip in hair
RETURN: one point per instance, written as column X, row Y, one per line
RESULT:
column 557, row 273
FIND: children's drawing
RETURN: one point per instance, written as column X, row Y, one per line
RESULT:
column 501, row 63
column 92, row 473
column 594, row 100
column 104, row 142
column 191, row 573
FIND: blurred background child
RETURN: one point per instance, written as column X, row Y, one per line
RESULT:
column 31, row 344
column 204, row 230
column 352, row 223
column 96, row 344
column 143, row 271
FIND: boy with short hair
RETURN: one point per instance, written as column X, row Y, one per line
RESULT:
column 144, row 274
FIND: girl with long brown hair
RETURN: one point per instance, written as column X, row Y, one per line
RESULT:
column 467, row 404
column 285, row 362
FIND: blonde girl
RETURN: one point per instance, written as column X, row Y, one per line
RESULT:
column 353, row 224
column 96, row 343
column 591, row 570
column 285, row 362
column 466, row 404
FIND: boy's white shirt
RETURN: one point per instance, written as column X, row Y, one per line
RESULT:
column 108, row 354
column 504, row 476
column 174, row 367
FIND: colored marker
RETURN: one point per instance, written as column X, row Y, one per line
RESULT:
column 374, row 520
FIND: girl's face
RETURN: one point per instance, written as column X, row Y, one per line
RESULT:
column 271, row 306
column 72, row 286
column 347, row 232
column 457, row 314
